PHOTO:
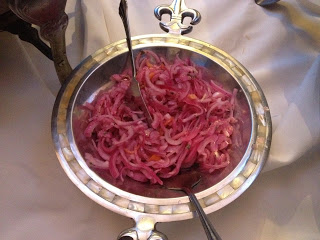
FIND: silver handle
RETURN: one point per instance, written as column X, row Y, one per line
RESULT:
column 177, row 11
column 134, row 86
column 144, row 230
column 129, row 234
column 209, row 229
column 123, row 12
column 136, row 234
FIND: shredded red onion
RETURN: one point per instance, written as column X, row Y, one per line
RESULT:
column 193, row 121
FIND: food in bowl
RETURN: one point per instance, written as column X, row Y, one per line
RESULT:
column 194, row 122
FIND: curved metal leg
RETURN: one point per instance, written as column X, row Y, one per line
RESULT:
column 49, row 15
column 11, row 23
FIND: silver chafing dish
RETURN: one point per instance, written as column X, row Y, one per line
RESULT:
column 149, row 204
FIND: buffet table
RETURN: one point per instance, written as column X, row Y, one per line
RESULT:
column 279, row 45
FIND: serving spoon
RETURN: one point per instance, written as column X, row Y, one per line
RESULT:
column 134, row 86
column 185, row 181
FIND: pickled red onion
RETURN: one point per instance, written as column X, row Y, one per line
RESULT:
column 193, row 122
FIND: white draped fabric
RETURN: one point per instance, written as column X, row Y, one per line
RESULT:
column 279, row 45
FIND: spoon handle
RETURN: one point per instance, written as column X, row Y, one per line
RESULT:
column 134, row 86
column 123, row 12
column 209, row 229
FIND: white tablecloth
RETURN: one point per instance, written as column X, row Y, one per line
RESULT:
column 279, row 45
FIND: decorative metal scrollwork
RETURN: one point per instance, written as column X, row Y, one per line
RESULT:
column 177, row 11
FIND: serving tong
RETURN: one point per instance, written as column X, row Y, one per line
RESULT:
column 185, row 181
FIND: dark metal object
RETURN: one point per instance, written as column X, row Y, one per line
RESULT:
column 264, row 3
column 134, row 86
column 11, row 23
column 4, row 6
column 126, row 238
column 53, row 21
column 185, row 182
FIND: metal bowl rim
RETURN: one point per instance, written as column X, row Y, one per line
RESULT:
column 224, row 182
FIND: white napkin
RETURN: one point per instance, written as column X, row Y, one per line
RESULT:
column 299, row 128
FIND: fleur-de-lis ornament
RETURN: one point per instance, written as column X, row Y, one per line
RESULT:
column 177, row 11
